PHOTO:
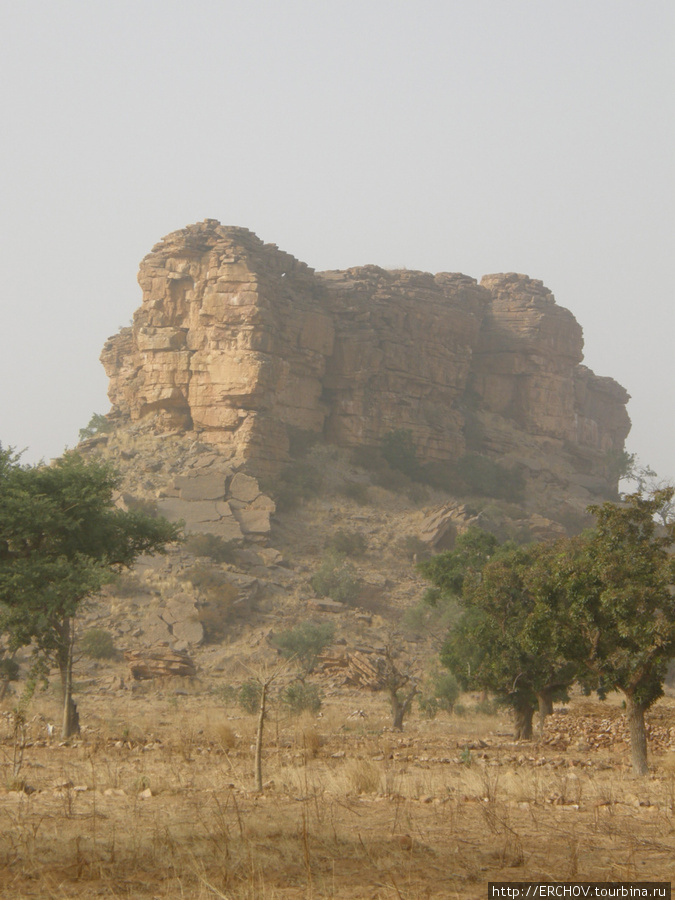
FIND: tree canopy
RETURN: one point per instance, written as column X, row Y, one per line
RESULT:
column 512, row 637
column 61, row 539
column 448, row 570
column 622, row 604
column 598, row 608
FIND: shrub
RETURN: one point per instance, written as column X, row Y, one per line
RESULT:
column 398, row 449
column 248, row 696
column 211, row 545
column 298, row 481
column 446, row 690
column 356, row 491
column 126, row 584
column 485, row 477
column 9, row 669
column 98, row 424
column 220, row 596
column 442, row 694
column 210, row 580
column 347, row 543
column 413, row 548
column 311, row 741
column 97, row 643
column 306, row 642
column 336, row 579
column 363, row 776
column 226, row 693
column 299, row 697
column 216, row 615
column 417, row 493
column 431, row 619
column 368, row 458
column 225, row 736
column 301, row 441
column 144, row 505
column 442, row 476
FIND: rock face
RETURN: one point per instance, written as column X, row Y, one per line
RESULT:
column 243, row 344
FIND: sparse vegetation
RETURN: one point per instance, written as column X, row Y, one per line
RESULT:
column 248, row 696
column 126, row 584
column 213, row 546
column 300, row 696
column 398, row 449
column 98, row 424
column 210, row 580
column 336, row 579
column 395, row 467
column 347, row 543
column 356, row 491
column 97, row 643
column 305, row 642
column 441, row 693
column 146, row 506
column 216, row 615
column 298, row 481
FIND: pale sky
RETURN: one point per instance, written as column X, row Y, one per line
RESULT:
column 535, row 136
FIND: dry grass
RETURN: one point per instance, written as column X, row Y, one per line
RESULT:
column 157, row 801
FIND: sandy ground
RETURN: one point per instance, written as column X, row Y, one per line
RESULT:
column 156, row 800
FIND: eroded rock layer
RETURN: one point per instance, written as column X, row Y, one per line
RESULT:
column 241, row 343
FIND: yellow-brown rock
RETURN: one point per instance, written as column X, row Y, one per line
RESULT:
column 241, row 343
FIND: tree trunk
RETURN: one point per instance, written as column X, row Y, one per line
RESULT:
column 71, row 718
column 545, row 701
column 399, row 708
column 522, row 715
column 259, row 738
column 635, row 713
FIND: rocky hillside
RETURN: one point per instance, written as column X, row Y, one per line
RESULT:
column 314, row 426
column 243, row 346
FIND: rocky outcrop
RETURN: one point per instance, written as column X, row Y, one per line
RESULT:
column 244, row 345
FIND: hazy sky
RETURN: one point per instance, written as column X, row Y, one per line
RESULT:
column 446, row 135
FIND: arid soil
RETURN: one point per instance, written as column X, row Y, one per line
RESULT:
column 156, row 800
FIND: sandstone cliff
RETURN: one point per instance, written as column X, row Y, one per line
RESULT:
column 241, row 344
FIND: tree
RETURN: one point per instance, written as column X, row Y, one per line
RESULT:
column 305, row 642
column 61, row 540
column 622, row 605
column 402, row 688
column 447, row 571
column 263, row 677
column 512, row 638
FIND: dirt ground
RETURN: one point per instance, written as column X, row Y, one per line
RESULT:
column 156, row 800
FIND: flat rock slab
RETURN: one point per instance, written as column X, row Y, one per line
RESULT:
column 325, row 605
column 253, row 521
column 244, row 487
column 201, row 486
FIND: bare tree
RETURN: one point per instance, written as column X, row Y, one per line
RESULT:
column 264, row 676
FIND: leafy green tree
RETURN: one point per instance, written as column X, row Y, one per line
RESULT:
column 61, row 540
column 622, row 605
column 447, row 571
column 513, row 638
